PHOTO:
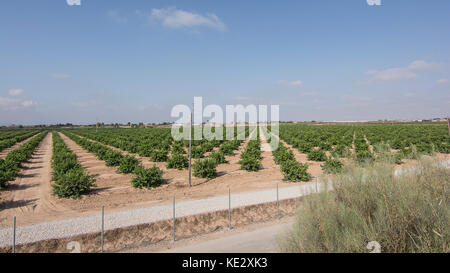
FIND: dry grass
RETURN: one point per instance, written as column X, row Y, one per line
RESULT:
column 406, row 213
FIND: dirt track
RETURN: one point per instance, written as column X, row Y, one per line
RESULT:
column 254, row 238
column 30, row 193
column 5, row 152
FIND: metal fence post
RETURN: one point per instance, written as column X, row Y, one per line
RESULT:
column 14, row 235
column 103, row 226
column 173, row 231
column 278, row 205
column 317, row 186
column 190, row 148
column 229, row 208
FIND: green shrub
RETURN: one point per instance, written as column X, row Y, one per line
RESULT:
column 205, row 168
column 332, row 166
column 8, row 171
column 324, row 145
column 145, row 150
column 295, row 171
column 128, row 164
column 444, row 148
column 364, row 156
column 177, row 161
column 197, row 152
column 250, row 164
column 425, row 148
column 317, row 155
column 283, row 154
column 147, row 177
column 177, row 148
column 218, row 157
column 304, row 147
column 73, row 184
column 113, row 158
column 227, row 149
column 159, row 156
column 207, row 147
column 340, row 151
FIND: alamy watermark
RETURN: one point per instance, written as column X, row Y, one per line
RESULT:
column 235, row 117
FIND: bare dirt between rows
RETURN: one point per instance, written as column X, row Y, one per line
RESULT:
column 30, row 193
column 5, row 152
column 314, row 167
column 114, row 191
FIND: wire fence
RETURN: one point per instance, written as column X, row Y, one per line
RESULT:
column 260, row 205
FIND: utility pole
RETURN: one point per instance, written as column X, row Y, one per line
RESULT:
column 190, row 146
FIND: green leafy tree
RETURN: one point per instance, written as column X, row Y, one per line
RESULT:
column 147, row 177
column 205, row 168
column 177, row 161
column 128, row 164
column 317, row 155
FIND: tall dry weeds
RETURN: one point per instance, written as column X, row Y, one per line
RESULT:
column 403, row 213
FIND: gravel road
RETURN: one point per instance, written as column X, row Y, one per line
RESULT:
column 82, row 225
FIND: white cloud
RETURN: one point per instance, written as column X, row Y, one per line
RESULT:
column 28, row 103
column 391, row 74
column 10, row 104
column 442, row 81
column 116, row 17
column 176, row 18
column 5, row 102
column 60, row 76
column 422, row 65
column 400, row 73
column 296, row 83
column 15, row 92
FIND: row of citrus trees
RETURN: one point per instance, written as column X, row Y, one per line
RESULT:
column 143, row 177
column 8, row 134
column 10, row 166
column 402, row 140
column 176, row 157
column 153, row 143
column 292, row 170
column 251, row 156
column 205, row 167
column 69, row 178
column 157, row 144
column 14, row 137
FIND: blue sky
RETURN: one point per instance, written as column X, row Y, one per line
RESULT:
column 120, row 61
